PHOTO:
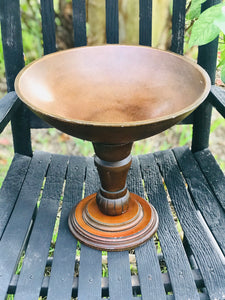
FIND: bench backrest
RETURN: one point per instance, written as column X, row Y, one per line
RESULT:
column 14, row 58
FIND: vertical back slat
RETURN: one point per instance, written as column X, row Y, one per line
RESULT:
column 178, row 26
column 79, row 23
column 207, row 58
column 112, row 22
column 14, row 62
column 145, row 22
column 12, row 40
column 48, row 26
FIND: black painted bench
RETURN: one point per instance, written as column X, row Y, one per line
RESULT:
column 40, row 189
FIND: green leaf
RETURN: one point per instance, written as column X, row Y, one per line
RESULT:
column 195, row 9
column 223, row 73
column 204, row 29
column 220, row 20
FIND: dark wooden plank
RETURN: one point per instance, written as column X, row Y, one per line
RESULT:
column 19, row 223
column 217, row 99
column 211, row 210
column 14, row 62
column 48, row 26
column 31, row 276
column 112, row 21
column 178, row 25
column 8, row 105
column 11, row 40
column 213, row 173
column 207, row 58
column 62, row 272
column 147, row 261
column 145, row 22
column 119, row 275
column 11, row 187
column 90, row 272
column 207, row 258
column 79, row 23
column 180, row 274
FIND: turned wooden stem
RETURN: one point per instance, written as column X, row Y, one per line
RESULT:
column 113, row 163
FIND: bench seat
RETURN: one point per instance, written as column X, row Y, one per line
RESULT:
column 185, row 260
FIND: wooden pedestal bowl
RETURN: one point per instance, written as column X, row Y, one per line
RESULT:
column 112, row 96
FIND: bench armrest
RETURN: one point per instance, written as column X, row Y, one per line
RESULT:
column 217, row 99
column 8, row 104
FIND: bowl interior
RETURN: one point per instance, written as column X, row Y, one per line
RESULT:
column 112, row 85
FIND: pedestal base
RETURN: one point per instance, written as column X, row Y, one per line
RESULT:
column 113, row 233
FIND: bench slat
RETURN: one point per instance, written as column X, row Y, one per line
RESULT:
column 15, row 233
column 178, row 26
column 180, row 274
column 112, row 21
column 145, row 22
column 79, row 23
column 208, row 261
column 148, row 269
column 31, row 276
column 213, row 174
column 211, row 210
column 48, row 26
column 11, row 187
column 90, row 272
column 119, row 275
column 62, row 272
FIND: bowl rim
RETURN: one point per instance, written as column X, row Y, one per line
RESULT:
column 185, row 111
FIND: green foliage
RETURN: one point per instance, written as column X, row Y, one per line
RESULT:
column 195, row 9
column 209, row 25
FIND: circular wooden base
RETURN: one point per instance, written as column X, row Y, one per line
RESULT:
column 113, row 233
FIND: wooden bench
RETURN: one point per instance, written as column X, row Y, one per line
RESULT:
column 40, row 189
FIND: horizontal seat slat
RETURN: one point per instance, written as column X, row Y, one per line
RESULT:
column 202, row 194
column 213, row 174
column 31, row 276
column 119, row 275
column 14, row 235
column 149, row 273
column 208, row 261
column 182, row 280
column 11, row 187
column 63, row 263
column 90, row 271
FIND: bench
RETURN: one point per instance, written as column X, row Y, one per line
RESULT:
column 186, row 186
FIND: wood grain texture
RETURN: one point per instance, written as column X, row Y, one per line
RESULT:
column 79, row 23
column 202, row 195
column 180, row 274
column 217, row 99
column 62, row 272
column 8, row 105
column 48, row 26
column 11, row 40
column 31, row 276
column 178, row 25
column 148, row 269
column 119, row 275
column 214, row 175
column 90, row 272
column 11, row 187
column 14, row 235
column 208, row 260
column 112, row 21
column 145, row 22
